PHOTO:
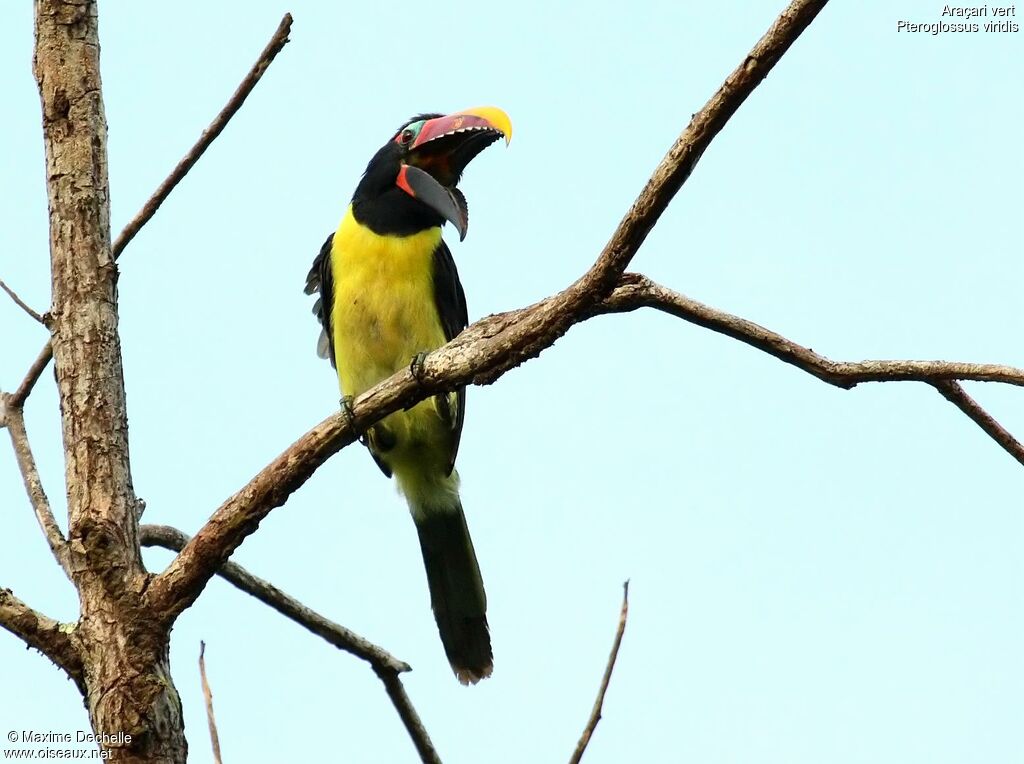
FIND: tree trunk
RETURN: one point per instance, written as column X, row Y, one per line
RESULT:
column 131, row 699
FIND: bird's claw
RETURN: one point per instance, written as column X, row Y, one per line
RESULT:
column 417, row 366
column 350, row 415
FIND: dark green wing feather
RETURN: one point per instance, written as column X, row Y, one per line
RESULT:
column 320, row 281
column 451, row 308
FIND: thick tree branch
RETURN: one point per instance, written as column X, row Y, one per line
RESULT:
column 15, row 420
column 19, row 302
column 595, row 714
column 956, row 395
column 385, row 666
column 487, row 349
column 127, row 684
column 143, row 216
column 46, row 635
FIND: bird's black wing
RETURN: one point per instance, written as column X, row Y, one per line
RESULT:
column 451, row 307
column 319, row 280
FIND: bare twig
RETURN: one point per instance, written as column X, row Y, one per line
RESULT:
column 277, row 42
column 46, row 635
column 956, row 395
column 636, row 291
column 333, row 633
column 413, row 724
column 208, row 697
column 385, row 666
column 487, row 349
column 595, row 714
column 19, row 302
column 143, row 216
column 15, row 419
column 18, row 397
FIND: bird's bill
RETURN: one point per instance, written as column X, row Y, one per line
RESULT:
column 486, row 119
column 441, row 151
column 449, row 203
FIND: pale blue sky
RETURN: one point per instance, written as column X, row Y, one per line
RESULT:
column 818, row 575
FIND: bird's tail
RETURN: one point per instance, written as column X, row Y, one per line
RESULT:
column 456, row 587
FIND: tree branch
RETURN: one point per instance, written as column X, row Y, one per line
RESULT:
column 595, row 714
column 956, row 395
column 19, row 396
column 128, row 687
column 46, row 635
column 488, row 348
column 636, row 291
column 276, row 44
column 14, row 418
column 413, row 724
column 385, row 666
column 331, row 632
column 20, row 303
column 208, row 697
column 143, row 216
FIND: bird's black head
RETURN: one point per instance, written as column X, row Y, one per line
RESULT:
column 410, row 184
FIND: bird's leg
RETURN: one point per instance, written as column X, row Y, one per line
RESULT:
column 416, row 369
column 416, row 366
column 350, row 416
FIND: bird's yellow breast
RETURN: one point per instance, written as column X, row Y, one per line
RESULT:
column 384, row 311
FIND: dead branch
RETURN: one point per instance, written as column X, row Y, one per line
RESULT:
column 15, row 420
column 143, row 216
column 46, row 635
column 335, row 634
column 127, row 683
column 956, row 395
column 276, row 44
column 208, row 697
column 19, row 396
column 385, row 666
column 637, row 291
column 413, row 724
column 595, row 714
column 488, row 348
column 20, row 303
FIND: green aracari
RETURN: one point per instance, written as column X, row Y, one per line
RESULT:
column 388, row 293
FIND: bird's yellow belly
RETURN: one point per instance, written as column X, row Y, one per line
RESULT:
column 384, row 313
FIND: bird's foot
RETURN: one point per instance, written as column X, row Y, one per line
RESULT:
column 417, row 366
column 350, row 415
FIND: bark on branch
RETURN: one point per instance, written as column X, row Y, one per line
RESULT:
column 127, row 682
column 488, row 348
column 46, row 635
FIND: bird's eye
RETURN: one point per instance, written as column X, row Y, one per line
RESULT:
column 407, row 136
